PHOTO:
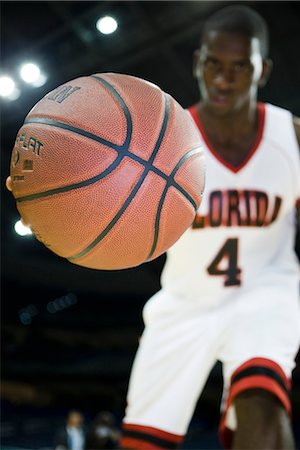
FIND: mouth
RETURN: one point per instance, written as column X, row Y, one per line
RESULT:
column 221, row 99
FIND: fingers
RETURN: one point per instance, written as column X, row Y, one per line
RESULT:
column 9, row 187
column 25, row 223
column 8, row 183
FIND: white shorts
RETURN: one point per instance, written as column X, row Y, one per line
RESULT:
column 255, row 335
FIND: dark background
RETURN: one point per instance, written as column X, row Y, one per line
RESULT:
column 69, row 334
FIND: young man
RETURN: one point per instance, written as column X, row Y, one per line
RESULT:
column 230, row 286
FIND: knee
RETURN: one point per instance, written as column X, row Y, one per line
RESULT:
column 259, row 408
column 260, row 391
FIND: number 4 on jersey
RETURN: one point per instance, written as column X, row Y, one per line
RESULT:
column 226, row 263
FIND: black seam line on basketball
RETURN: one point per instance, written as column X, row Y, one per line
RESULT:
column 182, row 160
column 119, row 148
column 98, row 177
column 80, row 131
column 123, row 105
column 164, row 443
column 134, row 190
column 258, row 370
column 123, row 148
column 169, row 183
column 71, row 187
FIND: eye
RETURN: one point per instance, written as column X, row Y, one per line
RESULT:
column 241, row 66
column 212, row 64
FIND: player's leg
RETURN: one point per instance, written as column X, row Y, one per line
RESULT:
column 260, row 413
column 258, row 359
column 169, row 372
column 258, row 407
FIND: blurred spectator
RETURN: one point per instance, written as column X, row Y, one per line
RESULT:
column 73, row 435
column 103, row 433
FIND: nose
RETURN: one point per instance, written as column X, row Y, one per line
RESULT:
column 225, row 78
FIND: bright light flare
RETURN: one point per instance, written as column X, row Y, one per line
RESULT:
column 106, row 25
column 42, row 79
column 30, row 72
column 21, row 229
column 7, row 86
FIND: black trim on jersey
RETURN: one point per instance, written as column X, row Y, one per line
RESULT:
column 258, row 370
column 164, row 443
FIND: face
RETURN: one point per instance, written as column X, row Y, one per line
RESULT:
column 229, row 67
column 75, row 419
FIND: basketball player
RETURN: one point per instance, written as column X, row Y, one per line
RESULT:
column 230, row 285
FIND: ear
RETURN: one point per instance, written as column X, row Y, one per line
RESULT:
column 266, row 71
column 196, row 63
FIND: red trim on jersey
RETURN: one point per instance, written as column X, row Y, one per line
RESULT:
column 261, row 122
column 175, row 438
column 251, row 382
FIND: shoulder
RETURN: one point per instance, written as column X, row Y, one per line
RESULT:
column 296, row 121
column 278, row 114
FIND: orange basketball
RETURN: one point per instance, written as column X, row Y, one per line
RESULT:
column 108, row 171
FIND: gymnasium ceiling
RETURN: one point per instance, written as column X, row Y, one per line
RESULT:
column 155, row 40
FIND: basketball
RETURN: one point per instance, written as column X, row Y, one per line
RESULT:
column 108, row 171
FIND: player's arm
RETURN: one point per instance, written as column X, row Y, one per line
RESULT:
column 296, row 121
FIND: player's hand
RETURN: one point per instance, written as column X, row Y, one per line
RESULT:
column 8, row 183
column 9, row 187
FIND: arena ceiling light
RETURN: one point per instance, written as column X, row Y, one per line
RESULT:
column 7, row 86
column 30, row 73
column 106, row 25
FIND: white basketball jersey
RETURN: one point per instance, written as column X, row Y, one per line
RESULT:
column 244, row 231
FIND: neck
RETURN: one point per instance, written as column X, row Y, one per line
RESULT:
column 235, row 124
column 232, row 136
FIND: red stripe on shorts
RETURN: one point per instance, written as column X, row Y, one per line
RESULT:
column 263, row 362
column 144, row 437
column 259, row 381
column 131, row 443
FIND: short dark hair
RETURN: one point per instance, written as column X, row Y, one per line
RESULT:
column 239, row 19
